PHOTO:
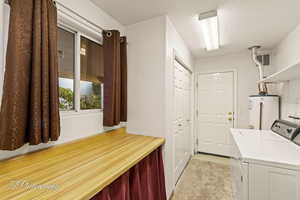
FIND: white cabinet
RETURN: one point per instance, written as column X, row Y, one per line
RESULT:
column 239, row 175
column 271, row 183
column 269, row 165
column 259, row 182
column 239, row 179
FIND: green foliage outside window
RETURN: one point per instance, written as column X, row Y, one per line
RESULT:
column 92, row 101
column 66, row 97
column 97, row 88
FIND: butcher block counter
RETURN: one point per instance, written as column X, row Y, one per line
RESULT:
column 75, row 170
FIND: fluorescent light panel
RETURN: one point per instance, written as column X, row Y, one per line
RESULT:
column 209, row 27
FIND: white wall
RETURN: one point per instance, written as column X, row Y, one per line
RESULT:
column 75, row 125
column 175, row 42
column 246, row 81
column 287, row 53
column 290, row 99
column 146, row 86
column 146, row 44
column 151, row 46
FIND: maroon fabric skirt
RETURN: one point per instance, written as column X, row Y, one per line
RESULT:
column 144, row 181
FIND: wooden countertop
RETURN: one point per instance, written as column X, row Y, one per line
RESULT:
column 75, row 170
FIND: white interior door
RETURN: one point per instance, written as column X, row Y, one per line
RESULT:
column 215, row 112
column 182, row 117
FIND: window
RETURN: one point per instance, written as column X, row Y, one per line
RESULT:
column 91, row 74
column 66, row 63
column 81, row 71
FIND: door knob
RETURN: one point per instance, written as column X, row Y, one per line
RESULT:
column 230, row 118
column 230, row 113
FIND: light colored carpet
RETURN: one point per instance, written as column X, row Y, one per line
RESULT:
column 205, row 178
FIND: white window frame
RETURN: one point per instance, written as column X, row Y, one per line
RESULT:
column 4, row 20
column 78, row 34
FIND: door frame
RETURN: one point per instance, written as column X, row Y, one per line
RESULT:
column 196, row 104
column 177, row 58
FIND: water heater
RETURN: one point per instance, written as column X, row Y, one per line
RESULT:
column 263, row 111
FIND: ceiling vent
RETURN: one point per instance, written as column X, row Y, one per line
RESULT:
column 264, row 59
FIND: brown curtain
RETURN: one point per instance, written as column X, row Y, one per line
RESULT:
column 30, row 106
column 115, row 78
column 123, row 79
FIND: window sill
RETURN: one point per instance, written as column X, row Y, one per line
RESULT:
column 81, row 112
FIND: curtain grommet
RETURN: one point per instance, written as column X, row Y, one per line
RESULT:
column 108, row 34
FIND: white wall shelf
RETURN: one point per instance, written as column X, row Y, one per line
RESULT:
column 289, row 73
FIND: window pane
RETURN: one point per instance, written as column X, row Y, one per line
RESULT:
column 66, row 55
column 91, row 74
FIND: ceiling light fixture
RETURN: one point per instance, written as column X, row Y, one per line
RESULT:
column 210, row 29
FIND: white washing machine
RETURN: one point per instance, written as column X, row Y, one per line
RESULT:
column 266, row 164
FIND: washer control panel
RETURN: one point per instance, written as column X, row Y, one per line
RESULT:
column 286, row 129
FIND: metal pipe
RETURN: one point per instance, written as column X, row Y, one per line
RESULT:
column 261, row 85
column 257, row 63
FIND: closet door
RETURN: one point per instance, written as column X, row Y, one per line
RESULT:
column 182, row 117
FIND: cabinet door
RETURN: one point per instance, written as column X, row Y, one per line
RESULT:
column 270, row 183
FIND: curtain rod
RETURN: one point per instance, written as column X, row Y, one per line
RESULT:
column 75, row 13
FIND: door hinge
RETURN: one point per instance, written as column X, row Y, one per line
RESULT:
column 197, row 142
column 242, row 179
column 196, row 84
column 197, row 113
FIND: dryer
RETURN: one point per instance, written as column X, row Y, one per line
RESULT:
column 266, row 164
